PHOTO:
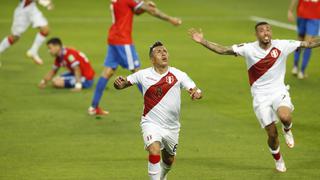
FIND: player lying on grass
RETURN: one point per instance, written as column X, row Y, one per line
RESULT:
column 27, row 14
column 266, row 65
column 121, row 50
column 80, row 73
column 161, row 85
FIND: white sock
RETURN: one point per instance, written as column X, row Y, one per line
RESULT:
column 5, row 44
column 164, row 170
column 37, row 43
column 154, row 171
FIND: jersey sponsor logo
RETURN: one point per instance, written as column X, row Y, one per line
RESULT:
column 262, row 66
column 156, row 92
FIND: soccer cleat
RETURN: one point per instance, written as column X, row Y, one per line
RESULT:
column 288, row 136
column 97, row 111
column 280, row 165
column 35, row 57
column 294, row 71
column 301, row 75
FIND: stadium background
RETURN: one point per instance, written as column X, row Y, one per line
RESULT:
column 46, row 134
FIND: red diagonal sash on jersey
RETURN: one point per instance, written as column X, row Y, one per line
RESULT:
column 262, row 66
column 156, row 92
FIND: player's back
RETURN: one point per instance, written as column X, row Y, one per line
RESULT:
column 122, row 18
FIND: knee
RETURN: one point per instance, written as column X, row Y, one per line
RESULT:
column 273, row 135
column 154, row 150
column 285, row 117
column 57, row 83
column 44, row 31
column 169, row 161
column 107, row 73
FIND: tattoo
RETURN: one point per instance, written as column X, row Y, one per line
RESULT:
column 217, row 48
column 155, row 12
column 312, row 44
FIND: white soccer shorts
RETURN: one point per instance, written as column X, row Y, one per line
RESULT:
column 24, row 17
column 266, row 105
column 152, row 133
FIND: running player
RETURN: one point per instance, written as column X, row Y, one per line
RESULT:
column 121, row 50
column 308, row 23
column 27, row 14
column 266, row 63
column 80, row 73
column 160, row 124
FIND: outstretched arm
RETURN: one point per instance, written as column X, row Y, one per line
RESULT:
column 197, row 36
column 121, row 83
column 311, row 44
column 154, row 11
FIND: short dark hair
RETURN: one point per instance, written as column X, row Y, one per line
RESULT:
column 54, row 41
column 260, row 23
column 156, row 44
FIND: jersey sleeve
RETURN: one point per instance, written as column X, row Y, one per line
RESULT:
column 72, row 59
column 290, row 45
column 135, row 4
column 186, row 82
column 239, row 49
column 134, row 78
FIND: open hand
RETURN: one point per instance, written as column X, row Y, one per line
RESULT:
column 196, row 35
column 120, row 82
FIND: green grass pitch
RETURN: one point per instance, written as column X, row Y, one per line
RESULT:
column 46, row 134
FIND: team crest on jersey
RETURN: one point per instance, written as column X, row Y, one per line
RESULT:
column 274, row 53
column 169, row 79
column 159, row 91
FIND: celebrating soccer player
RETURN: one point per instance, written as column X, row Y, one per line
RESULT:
column 80, row 73
column 27, row 14
column 160, row 125
column 266, row 64
column 308, row 24
column 121, row 50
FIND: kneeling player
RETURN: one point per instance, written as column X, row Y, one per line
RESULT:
column 160, row 125
column 80, row 74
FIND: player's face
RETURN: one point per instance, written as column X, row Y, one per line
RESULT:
column 160, row 56
column 54, row 50
column 264, row 34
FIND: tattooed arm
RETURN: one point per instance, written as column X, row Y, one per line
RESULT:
column 197, row 36
column 312, row 44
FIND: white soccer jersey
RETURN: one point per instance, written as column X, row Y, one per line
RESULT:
column 162, row 95
column 266, row 68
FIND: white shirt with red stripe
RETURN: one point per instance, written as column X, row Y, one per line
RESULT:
column 266, row 68
column 162, row 95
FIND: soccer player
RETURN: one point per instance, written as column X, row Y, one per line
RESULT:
column 80, row 73
column 121, row 50
column 266, row 64
column 161, row 85
column 27, row 14
column 308, row 23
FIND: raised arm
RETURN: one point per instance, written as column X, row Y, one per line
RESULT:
column 121, row 83
column 151, row 8
column 291, row 9
column 312, row 44
column 197, row 36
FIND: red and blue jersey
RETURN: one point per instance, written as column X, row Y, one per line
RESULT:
column 120, row 33
column 71, row 58
column 308, row 9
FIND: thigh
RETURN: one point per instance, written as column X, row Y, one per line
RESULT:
column 170, row 142
column 301, row 26
column 312, row 27
column 282, row 99
column 37, row 18
column 263, row 110
column 21, row 21
column 68, row 80
column 111, row 58
column 151, row 134
column 128, row 57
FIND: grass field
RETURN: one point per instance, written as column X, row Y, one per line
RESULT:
column 46, row 134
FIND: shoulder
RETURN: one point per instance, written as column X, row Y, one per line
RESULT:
column 177, row 72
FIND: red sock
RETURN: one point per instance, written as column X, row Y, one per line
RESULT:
column 154, row 159
column 10, row 40
column 277, row 156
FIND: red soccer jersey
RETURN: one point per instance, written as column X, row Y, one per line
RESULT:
column 71, row 58
column 122, row 17
column 309, row 9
